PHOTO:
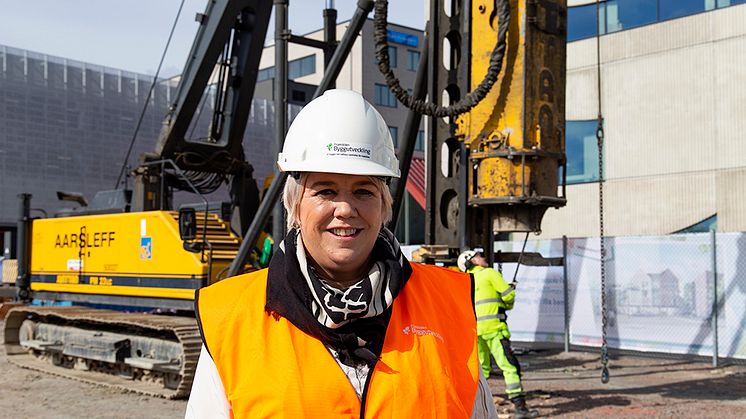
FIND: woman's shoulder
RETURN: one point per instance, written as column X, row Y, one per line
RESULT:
column 426, row 269
column 427, row 274
column 235, row 285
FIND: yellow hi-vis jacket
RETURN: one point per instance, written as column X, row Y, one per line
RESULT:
column 428, row 366
column 492, row 298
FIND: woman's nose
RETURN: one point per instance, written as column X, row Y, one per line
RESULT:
column 344, row 208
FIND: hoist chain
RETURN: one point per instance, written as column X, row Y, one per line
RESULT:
column 602, row 239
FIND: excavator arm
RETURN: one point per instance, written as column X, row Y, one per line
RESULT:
column 221, row 67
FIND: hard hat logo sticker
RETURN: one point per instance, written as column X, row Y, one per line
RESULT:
column 349, row 150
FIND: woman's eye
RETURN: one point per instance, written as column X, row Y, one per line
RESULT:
column 364, row 192
column 325, row 192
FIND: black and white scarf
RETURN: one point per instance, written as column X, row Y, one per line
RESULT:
column 352, row 321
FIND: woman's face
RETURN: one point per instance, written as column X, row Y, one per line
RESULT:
column 340, row 218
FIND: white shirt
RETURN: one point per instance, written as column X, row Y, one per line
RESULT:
column 208, row 399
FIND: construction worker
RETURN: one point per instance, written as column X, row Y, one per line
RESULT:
column 340, row 324
column 493, row 297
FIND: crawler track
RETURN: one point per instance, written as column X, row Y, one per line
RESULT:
column 182, row 330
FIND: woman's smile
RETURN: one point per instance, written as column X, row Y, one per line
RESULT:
column 340, row 218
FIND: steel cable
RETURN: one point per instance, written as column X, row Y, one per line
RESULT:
column 147, row 98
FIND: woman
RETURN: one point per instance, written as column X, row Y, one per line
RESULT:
column 340, row 324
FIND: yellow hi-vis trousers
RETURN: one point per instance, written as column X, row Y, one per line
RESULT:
column 500, row 348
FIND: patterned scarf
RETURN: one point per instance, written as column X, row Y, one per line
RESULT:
column 352, row 321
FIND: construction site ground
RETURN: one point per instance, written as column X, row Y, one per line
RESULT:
column 558, row 384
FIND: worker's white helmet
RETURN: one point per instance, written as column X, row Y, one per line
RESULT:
column 339, row 132
column 464, row 260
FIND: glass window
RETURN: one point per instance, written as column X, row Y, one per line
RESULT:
column 670, row 9
column 413, row 60
column 581, row 149
column 725, row 3
column 419, row 145
column 708, row 224
column 626, row 14
column 581, row 21
column 394, row 131
column 301, row 67
column 384, row 97
column 265, row 74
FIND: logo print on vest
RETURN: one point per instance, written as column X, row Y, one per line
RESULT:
column 421, row 331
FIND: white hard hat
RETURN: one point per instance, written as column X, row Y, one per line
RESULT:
column 465, row 257
column 339, row 132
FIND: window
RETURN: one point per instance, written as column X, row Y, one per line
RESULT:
column 384, row 97
column 301, row 67
column 419, row 145
column 394, row 131
column 413, row 60
column 626, row 14
column 296, row 68
column 670, row 9
column 708, row 224
column 617, row 15
column 298, row 96
column 581, row 21
column 265, row 74
column 582, row 151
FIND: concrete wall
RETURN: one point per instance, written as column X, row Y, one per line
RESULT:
column 675, row 117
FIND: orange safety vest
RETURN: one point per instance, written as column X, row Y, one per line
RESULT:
column 269, row 368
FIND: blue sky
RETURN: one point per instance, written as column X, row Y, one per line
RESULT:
column 131, row 34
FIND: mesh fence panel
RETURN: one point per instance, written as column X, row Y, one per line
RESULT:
column 660, row 293
column 538, row 314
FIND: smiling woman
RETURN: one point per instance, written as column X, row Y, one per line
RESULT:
column 340, row 324
column 343, row 215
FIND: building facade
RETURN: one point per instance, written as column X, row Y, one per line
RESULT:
column 67, row 126
column 673, row 100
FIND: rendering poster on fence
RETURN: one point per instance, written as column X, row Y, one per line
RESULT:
column 660, row 294
column 731, row 265
column 538, row 315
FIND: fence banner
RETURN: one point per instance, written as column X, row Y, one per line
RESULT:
column 731, row 267
column 659, row 293
column 538, row 314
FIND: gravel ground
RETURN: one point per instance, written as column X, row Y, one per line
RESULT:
column 558, row 385
column 569, row 385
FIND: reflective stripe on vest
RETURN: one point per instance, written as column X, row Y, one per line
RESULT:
column 269, row 368
column 498, row 316
column 508, row 291
column 488, row 300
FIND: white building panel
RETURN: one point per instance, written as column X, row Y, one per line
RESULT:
column 674, row 101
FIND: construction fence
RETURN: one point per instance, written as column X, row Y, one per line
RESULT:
column 675, row 294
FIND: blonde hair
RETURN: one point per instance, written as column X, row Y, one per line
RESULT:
column 293, row 192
